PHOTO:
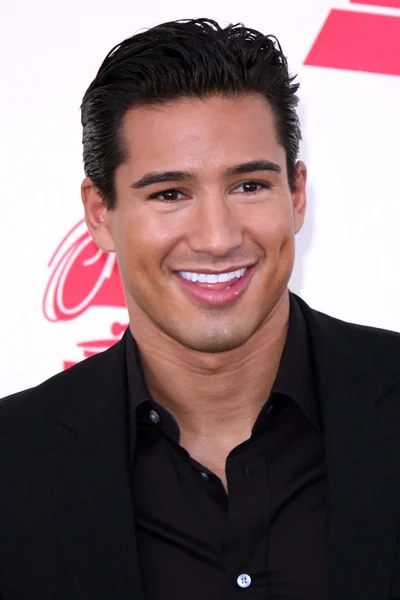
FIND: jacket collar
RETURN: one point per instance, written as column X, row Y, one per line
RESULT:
column 347, row 352
column 351, row 352
column 86, row 390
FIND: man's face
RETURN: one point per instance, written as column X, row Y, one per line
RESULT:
column 204, row 222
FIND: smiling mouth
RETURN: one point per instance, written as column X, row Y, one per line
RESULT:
column 216, row 289
column 217, row 281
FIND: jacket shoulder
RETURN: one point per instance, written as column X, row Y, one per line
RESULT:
column 365, row 334
column 351, row 347
column 81, row 381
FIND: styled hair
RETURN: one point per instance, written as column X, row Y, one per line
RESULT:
column 188, row 58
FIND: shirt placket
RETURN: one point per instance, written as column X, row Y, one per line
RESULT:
column 249, row 509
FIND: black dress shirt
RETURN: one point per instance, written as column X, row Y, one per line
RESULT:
column 267, row 539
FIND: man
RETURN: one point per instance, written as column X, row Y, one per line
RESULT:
column 235, row 443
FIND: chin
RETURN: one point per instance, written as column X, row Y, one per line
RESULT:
column 213, row 341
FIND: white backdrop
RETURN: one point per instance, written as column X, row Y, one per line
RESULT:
column 348, row 252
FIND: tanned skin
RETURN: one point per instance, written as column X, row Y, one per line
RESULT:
column 211, row 363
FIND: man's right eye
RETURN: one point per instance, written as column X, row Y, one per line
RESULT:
column 167, row 195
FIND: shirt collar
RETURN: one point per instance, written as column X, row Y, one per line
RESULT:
column 295, row 378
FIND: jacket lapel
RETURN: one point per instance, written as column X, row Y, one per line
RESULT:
column 360, row 400
column 95, row 485
column 364, row 499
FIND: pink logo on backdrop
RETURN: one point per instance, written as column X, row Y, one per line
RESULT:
column 82, row 277
column 358, row 40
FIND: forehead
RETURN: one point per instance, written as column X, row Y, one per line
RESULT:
column 201, row 132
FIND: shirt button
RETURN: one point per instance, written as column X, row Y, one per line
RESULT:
column 154, row 417
column 204, row 475
column 244, row 580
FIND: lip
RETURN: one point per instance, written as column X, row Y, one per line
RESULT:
column 214, row 272
column 223, row 297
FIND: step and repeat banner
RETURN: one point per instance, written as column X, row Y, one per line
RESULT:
column 61, row 297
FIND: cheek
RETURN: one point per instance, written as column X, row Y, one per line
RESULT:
column 142, row 241
column 273, row 229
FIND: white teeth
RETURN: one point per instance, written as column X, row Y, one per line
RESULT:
column 212, row 277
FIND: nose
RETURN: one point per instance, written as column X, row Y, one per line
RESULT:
column 216, row 228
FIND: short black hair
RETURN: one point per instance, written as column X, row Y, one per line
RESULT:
column 186, row 58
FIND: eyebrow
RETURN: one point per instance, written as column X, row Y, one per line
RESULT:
column 166, row 176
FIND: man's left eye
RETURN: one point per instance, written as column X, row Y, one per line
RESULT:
column 251, row 187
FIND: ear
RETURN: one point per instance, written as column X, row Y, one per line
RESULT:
column 96, row 216
column 299, row 195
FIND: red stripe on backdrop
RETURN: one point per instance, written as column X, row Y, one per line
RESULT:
column 358, row 41
column 389, row 3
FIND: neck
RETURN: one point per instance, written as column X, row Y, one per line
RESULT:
column 210, row 394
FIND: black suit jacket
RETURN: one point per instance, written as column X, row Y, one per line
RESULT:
column 66, row 517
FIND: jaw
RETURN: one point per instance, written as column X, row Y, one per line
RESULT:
column 180, row 315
